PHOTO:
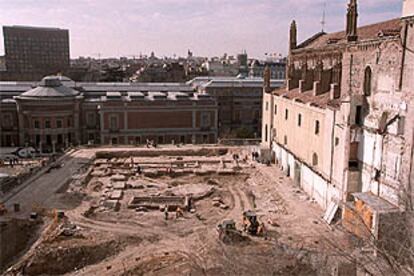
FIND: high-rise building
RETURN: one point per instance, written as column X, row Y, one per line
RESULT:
column 32, row 52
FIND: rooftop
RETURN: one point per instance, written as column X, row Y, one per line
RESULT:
column 33, row 28
column 307, row 97
column 231, row 82
column 253, row 82
column 150, row 96
column 9, row 89
column 376, row 203
column 390, row 28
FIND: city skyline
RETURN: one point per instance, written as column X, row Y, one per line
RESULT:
column 168, row 27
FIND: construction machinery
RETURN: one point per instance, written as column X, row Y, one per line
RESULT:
column 227, row 225
column 250, row 223
column 229, row 234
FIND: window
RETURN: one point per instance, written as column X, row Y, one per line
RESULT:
column 237, row 115
column 299, row 120
column 285, row 141
column 91, row 119
column 7, row 120
column 367, row 81
column 91, row 137
column 317, row 127
column 275, row 109
column 182, row 139
column 267, row 106
column 160, row 139
column 59, row 139
column 47, row 124
column 113, row 123
column 59, row 124
column 37, row 140
column 69, row 122
column 138, row 140
column 336, row 141
column 48, row 140
column 206, row 120
column 265, row 133
column 286, row 114
column 36, row 124
column 358, row 115
column 8, row 141
column 314, row 159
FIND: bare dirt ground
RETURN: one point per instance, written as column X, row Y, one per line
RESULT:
column 95, row 237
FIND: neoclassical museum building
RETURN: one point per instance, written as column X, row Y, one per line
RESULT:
column 57, row 112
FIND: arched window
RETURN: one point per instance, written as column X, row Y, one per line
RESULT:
column 314, row 159
column 367, row 81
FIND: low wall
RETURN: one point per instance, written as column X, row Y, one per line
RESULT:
column 8, row 183
column 166, row 152
column 154, row 202
column 239, row 142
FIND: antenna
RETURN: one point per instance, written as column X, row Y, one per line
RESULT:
column 323, row 21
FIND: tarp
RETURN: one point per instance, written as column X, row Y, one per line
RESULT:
column 331, row 212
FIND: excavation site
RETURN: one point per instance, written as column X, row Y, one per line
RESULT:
column 168, row 211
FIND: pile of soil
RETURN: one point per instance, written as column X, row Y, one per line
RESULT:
column 234, row 237
column 174, row 263
column 54, row 260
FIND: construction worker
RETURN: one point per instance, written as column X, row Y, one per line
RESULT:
column 262, row 231
column 178, row 213
column 169, row 169
column 166, row 213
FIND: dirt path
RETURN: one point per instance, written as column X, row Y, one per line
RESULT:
column 37, row 192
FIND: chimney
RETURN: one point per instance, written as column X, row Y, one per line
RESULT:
column 408, row 8
column 293, row 36
column 352, row 21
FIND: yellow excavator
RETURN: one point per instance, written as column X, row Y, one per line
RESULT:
column 228, row 232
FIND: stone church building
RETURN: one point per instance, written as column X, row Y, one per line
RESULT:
column 342, row 128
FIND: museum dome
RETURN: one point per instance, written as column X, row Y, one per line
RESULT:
column 50, row 87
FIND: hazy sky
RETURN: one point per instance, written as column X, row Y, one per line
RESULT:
column 207, row 27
